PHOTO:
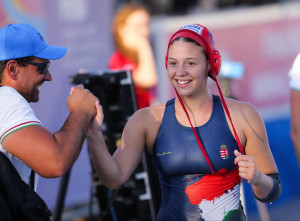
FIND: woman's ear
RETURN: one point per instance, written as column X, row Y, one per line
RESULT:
column 208, row 67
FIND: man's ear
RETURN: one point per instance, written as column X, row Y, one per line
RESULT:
column 12, row 69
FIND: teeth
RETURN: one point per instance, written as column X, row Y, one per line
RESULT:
column 182, row 82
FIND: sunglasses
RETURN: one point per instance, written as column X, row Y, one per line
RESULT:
column 43, row 67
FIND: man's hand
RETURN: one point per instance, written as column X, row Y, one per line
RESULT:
column 81, row 100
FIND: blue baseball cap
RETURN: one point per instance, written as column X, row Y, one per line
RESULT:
column 23, row 40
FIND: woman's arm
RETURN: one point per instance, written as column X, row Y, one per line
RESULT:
column 145, row 75
column 115, row 170
column 258, row 163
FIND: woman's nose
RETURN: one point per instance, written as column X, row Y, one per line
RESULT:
column 181, row 70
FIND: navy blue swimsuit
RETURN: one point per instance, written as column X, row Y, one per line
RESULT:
column 184, row 173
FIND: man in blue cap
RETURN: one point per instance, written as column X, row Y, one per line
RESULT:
column 24, row 61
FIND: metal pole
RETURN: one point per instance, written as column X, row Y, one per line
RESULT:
column 61, row 196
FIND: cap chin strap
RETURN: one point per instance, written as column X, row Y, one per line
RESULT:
column 228, row 115
column 196, row 135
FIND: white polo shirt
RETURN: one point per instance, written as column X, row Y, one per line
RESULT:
column 15, row 114
column 294, row 74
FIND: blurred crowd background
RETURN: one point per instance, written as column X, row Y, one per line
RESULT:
column 258, row 41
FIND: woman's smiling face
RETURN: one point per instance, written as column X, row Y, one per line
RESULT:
column 187, row 67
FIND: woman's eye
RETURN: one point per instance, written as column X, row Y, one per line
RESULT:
column 172, row 63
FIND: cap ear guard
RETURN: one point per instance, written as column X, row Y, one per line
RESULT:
column 215, row 61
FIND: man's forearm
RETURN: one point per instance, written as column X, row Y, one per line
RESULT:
column 70, row 138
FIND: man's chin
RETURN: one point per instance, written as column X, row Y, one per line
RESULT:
column 34, row 100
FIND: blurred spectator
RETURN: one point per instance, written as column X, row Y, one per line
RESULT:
column 133, row 50
column 294, row 75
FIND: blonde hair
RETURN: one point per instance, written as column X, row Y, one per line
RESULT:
column 119, row 20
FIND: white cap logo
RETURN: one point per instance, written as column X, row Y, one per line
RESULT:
column 194, row 28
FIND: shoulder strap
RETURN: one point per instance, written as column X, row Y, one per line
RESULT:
column 32, row 178
column 23, row 202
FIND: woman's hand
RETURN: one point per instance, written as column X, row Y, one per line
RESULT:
column 97, row 121
column 247, row 168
